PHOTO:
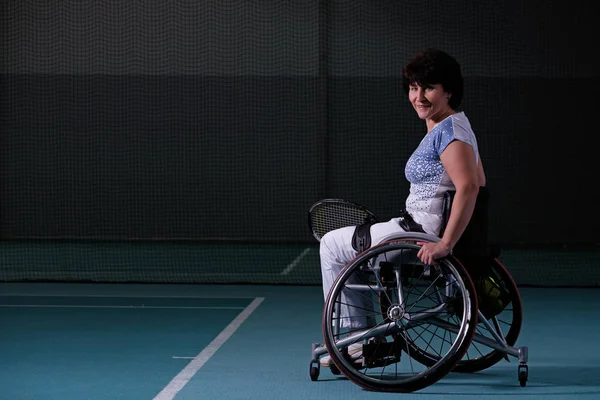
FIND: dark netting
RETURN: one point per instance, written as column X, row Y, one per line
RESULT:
column 181, row 141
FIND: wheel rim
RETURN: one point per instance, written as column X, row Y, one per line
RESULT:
column 427, row 300
column 506, row 323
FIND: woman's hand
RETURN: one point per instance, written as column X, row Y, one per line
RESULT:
column 432, row 251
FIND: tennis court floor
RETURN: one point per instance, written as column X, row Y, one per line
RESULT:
column 132, row 341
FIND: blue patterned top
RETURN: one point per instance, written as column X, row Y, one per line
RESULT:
column 424, row 170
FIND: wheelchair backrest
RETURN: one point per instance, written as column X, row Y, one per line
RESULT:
column 474, row 240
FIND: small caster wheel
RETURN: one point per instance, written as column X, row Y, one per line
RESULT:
column 334, row 369
column 523, row 374
column 314, row 372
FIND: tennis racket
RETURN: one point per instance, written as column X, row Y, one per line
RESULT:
column 329, row 214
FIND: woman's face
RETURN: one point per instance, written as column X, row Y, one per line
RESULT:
column 430, row 101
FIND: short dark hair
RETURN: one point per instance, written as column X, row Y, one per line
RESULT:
column 432, row 66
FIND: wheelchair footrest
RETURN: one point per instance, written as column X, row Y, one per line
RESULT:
column 380, row 354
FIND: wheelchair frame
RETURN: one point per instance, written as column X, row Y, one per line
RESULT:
column 446, row 363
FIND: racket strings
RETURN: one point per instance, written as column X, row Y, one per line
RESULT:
column 330, row 216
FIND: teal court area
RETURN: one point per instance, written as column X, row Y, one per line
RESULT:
column 149, row 341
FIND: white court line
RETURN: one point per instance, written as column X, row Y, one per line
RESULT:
column 120, row 307
column 296, row 261
column 183, row 377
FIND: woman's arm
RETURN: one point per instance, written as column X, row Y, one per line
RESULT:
column 460, row 164
column 459, row 161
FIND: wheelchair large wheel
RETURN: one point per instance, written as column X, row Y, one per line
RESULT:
column 500, row 305
column 370, row 347
column 505, row 321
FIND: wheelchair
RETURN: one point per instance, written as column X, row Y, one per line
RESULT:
column 462, row 314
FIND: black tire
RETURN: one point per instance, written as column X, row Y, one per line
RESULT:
column 314, row 373
column 447, row 287
column 523, row 375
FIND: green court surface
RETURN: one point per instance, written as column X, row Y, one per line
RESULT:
column 145, row 341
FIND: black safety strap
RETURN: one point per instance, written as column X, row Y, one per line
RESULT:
column 408, row 223
column 361, row 240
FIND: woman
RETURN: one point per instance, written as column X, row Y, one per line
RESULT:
column 446, row 159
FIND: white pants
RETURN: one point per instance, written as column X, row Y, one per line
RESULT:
column 336, row 251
